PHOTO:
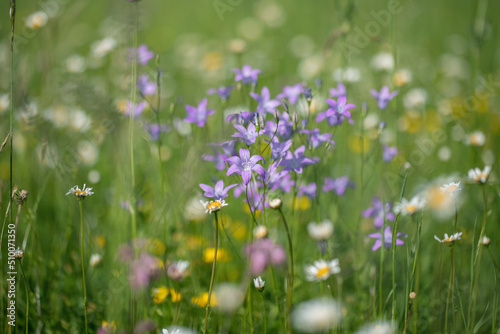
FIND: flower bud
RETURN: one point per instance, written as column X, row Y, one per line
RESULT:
column 486, row 241
column 260, row 232
column 259, row 283
column 18, row 253
column 275, row 203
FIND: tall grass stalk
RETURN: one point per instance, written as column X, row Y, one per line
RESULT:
column 273, row 278
column 27, row 295
column 214, row 263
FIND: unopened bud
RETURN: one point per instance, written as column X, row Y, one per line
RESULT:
column 413, row 295
column 295, row 120
column 22, row 196
column 18, row 253
column 486, row 241
column 260, row 232
column 276, row 116
column 275, row 203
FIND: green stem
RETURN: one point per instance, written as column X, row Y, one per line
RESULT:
column 83, row 266
column 250, row 310
column 264, row 314
column 277, row 299
column 290, row 276
column 394, row 237
column 159, row 126
column 27, row 296
column 213, row 272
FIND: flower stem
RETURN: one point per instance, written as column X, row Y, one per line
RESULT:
column 394, row 237
column 27, row 296
column 290, row 275
column 277, row 299
column 213, row 272
column 264, row 314
column 83, row 266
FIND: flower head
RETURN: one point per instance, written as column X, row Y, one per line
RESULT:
column 406, row 207
column 339, row 91
column 316, row 316
column 389, row 152
column 383, row 97
column 213, row 206
column 449, row 239
column 259, row 283
column 265, row 103
column 177, row 270
column 143, row 54
column 337, row 113
column 451, row 188
column 479, row 176
column 321, row 270
column 198, row 114
column 218, row 192
column 224, row 92
column 246, row 75
column 263, row 252
column 379, row 211
column 476, row 138
column 292, row 93
column 244, row 165
column 320, row 231
column 249, row 134
column 315, row 138
column 339, row 185
column 297, row 161
column 386, row 239
column 80, row 193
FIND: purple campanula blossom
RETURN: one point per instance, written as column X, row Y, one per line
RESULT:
column 198, row 114
column 315, row 138
column 155, row 130
column 246, row 75
column 337, row 113
column 143, row 54
column 218, row 192
column 278, row 150
column 145, row 86
column 265, row 103
column 143, row 266
column 138, row 108
column 227, row 147
column 245, row 164
column 297, row 161
column 308, row 190
column 262, row 253
column 249, row 134
column 377, row 212
column 244, row 118
column 386, row 239
column 275, row 179
column 224, row 92
column 292, row 93
column 339, row 185
column 383, row 97
column 339, row 91
column 219, row 159
column 389, row 153
column 284, row 128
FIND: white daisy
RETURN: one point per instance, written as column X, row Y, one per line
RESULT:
column 410, row 207
column 479, row 176
column 476, row 138
column 80, row 193
column 259, row 283
column 320, row 231
column 213, row 206
column 322, row 269
column 451, row 188
column 449, row 239
column 317, row 315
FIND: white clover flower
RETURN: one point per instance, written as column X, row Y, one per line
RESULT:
column 317, row 315
column 320, row 231
column 213, row 206
column 80, row 193
column 476, row 138
column 406, row 207
column 322, row 269
column 449, row 239
column 451, row 188
column 479, row 176
column 259, row 283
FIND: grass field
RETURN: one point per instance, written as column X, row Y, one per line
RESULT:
column 250, row 166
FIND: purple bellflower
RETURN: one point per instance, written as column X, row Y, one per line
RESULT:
column 249, row 134
column 285, row 127
column 297, row 161
column 292, row 93
column 246, row 75
column 244, row 165
column 155, row 130
column 386, row 239
column 143, row 54
column 275, row 179
column 389, row 153
column 383, row 97
column 339, row 91
column 265, row 103
column 198, row 114
column 377, row 212
column 218, row 192
column 339, row 185
column 337, row 113
column 308, row 190
column 138, row 108
column 224, row 92
column 145, row 86
column 244, row 118
column 278, row 150
column 315, row 138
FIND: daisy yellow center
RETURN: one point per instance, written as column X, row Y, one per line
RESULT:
column 322, row 272
column 79, row 192
column 213, row 206
column 410, row 208
column 474, row 140
column 451, row 188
